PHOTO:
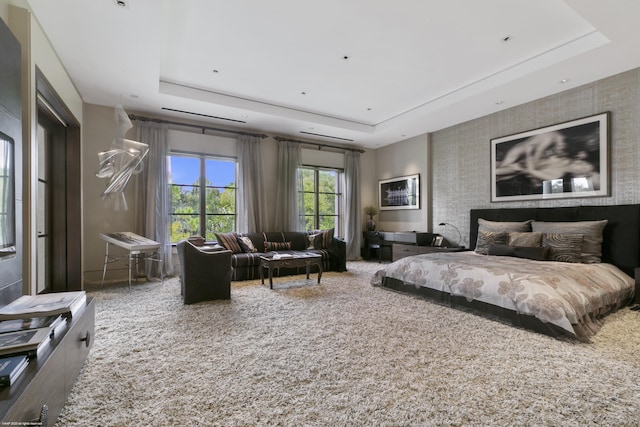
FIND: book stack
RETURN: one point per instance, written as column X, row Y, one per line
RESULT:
column 11, row 368
column 27, row 326
column 64, row 303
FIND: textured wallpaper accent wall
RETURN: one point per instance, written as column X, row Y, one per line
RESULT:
column 461, row 154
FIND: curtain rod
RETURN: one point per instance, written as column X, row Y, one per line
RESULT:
column 203, row 128
column 319, row 145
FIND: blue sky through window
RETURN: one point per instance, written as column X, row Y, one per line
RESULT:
column 185, row 170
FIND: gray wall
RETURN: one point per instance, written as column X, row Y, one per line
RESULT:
column 407, row 157
column 461, row 153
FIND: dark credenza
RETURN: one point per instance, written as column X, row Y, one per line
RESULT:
column 408, row 237
column 407, row 243
column 49, row 378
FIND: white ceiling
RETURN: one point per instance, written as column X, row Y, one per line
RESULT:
column 363, row 72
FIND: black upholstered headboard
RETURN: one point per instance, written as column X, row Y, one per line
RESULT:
column 621, row 237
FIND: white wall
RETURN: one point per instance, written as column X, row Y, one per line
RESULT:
column 100, row 217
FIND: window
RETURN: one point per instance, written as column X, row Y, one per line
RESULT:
column 320, row 198
column 203, row 196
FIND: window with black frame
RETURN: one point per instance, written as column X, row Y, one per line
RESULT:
column 320, row 198
column 203, row 195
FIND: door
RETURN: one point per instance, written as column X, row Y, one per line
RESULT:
column 43, row 251
column 58, row 211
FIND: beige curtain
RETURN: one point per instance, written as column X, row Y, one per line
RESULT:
column 353, row 217
column 251, row 209
column 287, row 187
column 153, row 203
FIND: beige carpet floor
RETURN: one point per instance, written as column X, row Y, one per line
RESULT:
column 343, row 353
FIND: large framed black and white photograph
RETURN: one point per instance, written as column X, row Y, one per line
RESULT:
column 566, row 160
column 399, row 193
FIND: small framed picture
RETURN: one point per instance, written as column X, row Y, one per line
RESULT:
column 437, row 241
column 399, row 193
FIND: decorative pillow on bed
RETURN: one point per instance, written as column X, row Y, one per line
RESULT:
column 246, row 244
column 277, row 246
column 531, row 240
column 485, row 238
column 504, row 227
column 229, row 241
column 535, row 253
column 591, row 251
column 563, row 247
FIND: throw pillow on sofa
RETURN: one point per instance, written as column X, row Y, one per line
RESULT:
column 246, row 244
column 229, row 241
column 312, row 240
column 321, row 239
column 277, row 246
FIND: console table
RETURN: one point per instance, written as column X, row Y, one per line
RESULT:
column 419, row 238
column 409, row 243
column 48, row 379
column 138, row 247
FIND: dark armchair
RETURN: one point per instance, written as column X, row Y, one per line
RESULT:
column 204, row 275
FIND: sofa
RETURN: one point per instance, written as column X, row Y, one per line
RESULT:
column 204, row 276
column 248, row 247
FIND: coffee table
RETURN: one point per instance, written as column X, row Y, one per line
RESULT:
column 290, row 260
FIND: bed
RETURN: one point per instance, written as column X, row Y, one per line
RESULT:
column 554, row 270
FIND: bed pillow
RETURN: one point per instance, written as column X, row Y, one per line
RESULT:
column 277, row 246
column 485, row 238
column 563, row 247
column 485, row 226
column 246, row 244
column 504, row 227
column 591, row 250
column 229, row 241
column 535, row 253
column 531, row 239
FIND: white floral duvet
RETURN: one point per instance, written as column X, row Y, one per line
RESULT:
column 570, row 296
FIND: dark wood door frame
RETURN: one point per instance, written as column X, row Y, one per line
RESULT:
column 65, row 209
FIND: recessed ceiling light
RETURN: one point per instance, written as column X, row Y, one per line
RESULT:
column 499, row 102
column 244, row 116
column 214, row 71
column 563, row 81
column 507, row 38
column 303, row 93
column 345, row 57
column 369, row 109
column 121, row 3
column 134, row 96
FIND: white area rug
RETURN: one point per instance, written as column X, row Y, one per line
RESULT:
column 343, row 353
